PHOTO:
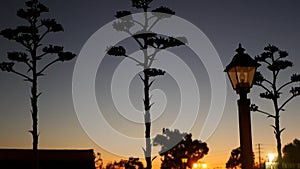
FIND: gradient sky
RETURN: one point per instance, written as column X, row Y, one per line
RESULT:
column 253, row 23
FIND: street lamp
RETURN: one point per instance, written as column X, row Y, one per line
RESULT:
column 241, row 71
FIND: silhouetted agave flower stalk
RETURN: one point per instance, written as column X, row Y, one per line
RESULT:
column 30, row 36
column 145, row 39
column 275, row 61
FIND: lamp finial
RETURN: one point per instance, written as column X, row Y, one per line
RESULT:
column 240, row 49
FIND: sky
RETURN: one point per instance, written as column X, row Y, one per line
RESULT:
column 255, row 24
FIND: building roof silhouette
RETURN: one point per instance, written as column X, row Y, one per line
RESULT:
column 48, row 159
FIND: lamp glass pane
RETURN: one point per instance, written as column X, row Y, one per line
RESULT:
column 233, row 77
column 241, row 76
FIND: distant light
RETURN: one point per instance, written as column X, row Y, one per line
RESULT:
column 195, row 165
column 204, row 165
column 184, row 160
column 271, row 157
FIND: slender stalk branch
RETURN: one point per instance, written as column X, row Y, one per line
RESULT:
column 139, row 43
column 276, row 73
column 49, row 64
column 267, row 81
column 146, row 60
column 40, row 56
column 277, row 59
column 43, row 35
column 39, row 26
column 137, row 22
column 153, row 24
column 268, row 63
column 264, row 87
column 265, row 113
column 146, row 21
column 134, row 59
column 154, row 53
column 22, row 75
column 287, row 100
column 152, row 56
column 151, row 17
column 288, row 83
column 27, row 46
column 28, row 65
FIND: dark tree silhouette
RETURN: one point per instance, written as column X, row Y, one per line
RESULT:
column 146, row 39
column 98, row 161
column 275, row 61
column 34, row 53
column 291, row 152
column 131, row 163
column 176, row 145
column 234, row 160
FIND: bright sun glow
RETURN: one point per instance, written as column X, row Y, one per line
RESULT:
column 271, row 157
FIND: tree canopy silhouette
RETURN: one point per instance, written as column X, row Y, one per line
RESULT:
column 275, row 61
column 151, row 44
column 34, row 54
column 176, row 145
column 234, row 160
column 98, row 161
column 131, row 163
column 291, row 152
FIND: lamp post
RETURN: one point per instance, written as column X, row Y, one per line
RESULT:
column 241, row 71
